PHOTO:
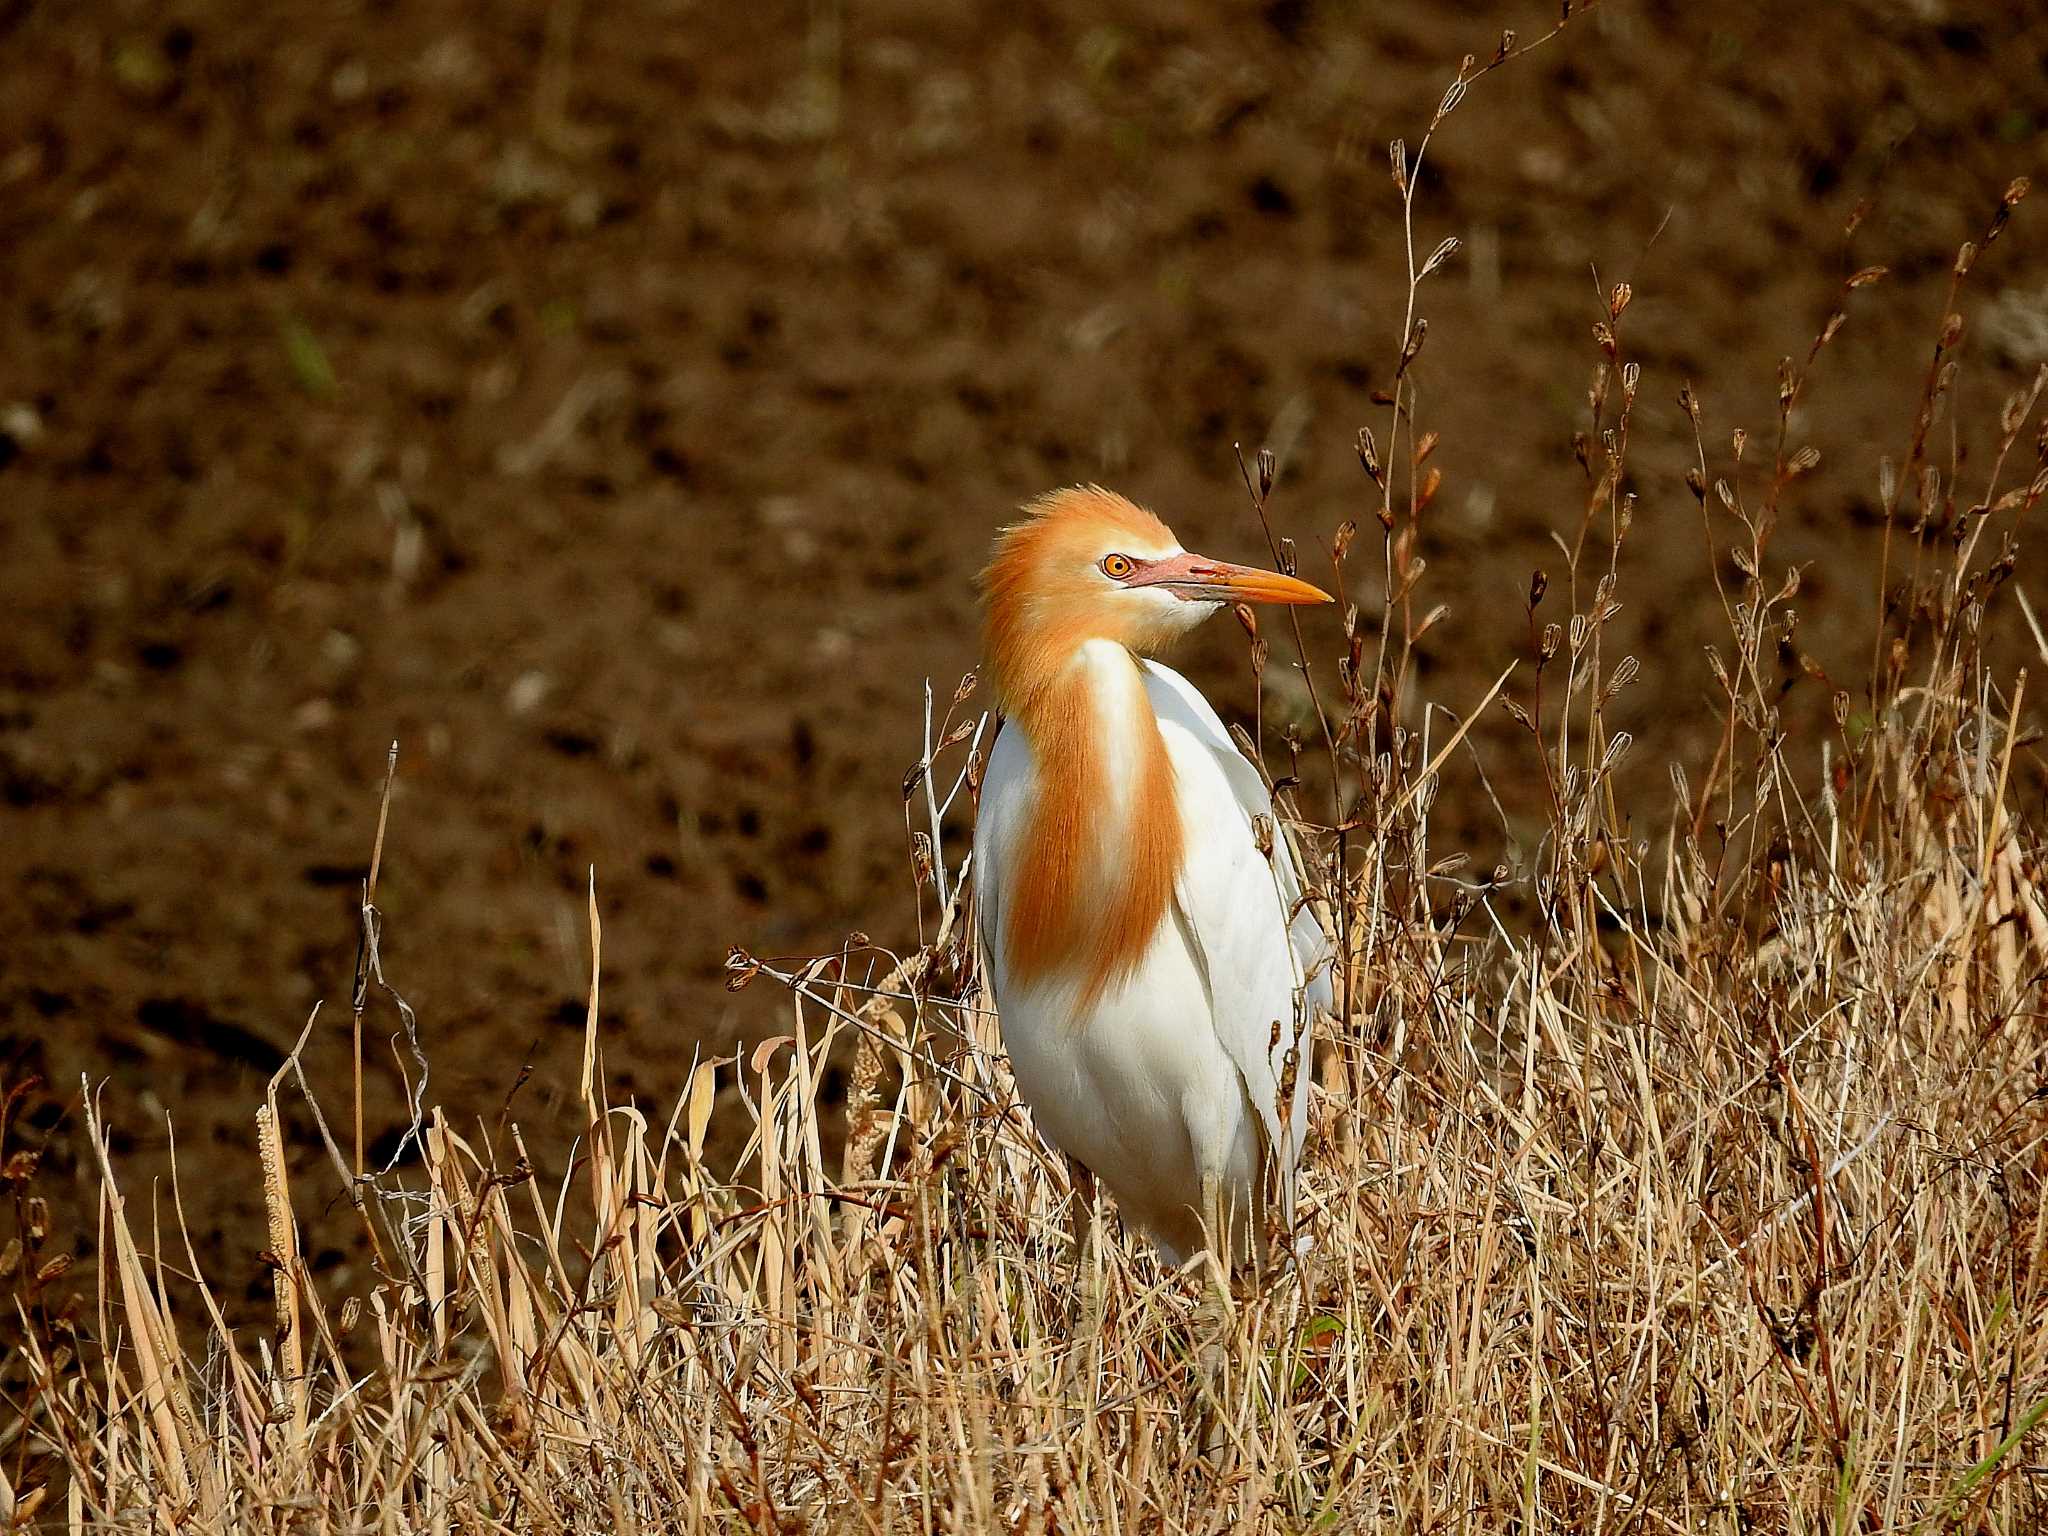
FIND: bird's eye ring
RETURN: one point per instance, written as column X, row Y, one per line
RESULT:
column 1117, row 567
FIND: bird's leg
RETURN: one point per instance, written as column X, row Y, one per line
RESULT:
column 1262, row 1248
column 1084, row 1219
column 1216, row 1320
column 1077, row 1371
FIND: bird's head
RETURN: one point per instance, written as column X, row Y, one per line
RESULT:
column 1085, row 564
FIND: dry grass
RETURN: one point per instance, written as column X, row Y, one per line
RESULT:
column 1686, row 1187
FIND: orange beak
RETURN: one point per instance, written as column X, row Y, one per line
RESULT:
column 1200, row 579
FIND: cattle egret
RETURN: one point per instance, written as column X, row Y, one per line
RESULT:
column 1140, row 911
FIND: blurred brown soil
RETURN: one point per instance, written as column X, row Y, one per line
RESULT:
column 612, row 405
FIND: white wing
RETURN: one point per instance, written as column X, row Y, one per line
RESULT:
column 999, row 825
column 1263, row 952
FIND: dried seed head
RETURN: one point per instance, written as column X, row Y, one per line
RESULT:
column 1369, row 454
column 1413, row 345
column 1804, row 460
column 1737, row 441
column 1516, row 713
column 2013, row 413
column 1446, row 249
column 1951, row 329
column 1966, row 258
column 1689, row 403
column 1268, row 464
column 1887, row 484
column 1841, row 706
column 1340, row 544
column 1867, row 276
column 1697, row 484
column 1553, row 635
column 1617, row 300
column 1247, row 620
column 1397, row 159
column 1507, row 45
column 1425, row 794
column 1539, row 583
column 2014, row 192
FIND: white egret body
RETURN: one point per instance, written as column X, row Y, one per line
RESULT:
column 1152, row 966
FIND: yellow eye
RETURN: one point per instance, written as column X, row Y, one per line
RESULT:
column 1117, row 567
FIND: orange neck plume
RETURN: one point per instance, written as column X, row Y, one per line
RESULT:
column 1104, row 838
